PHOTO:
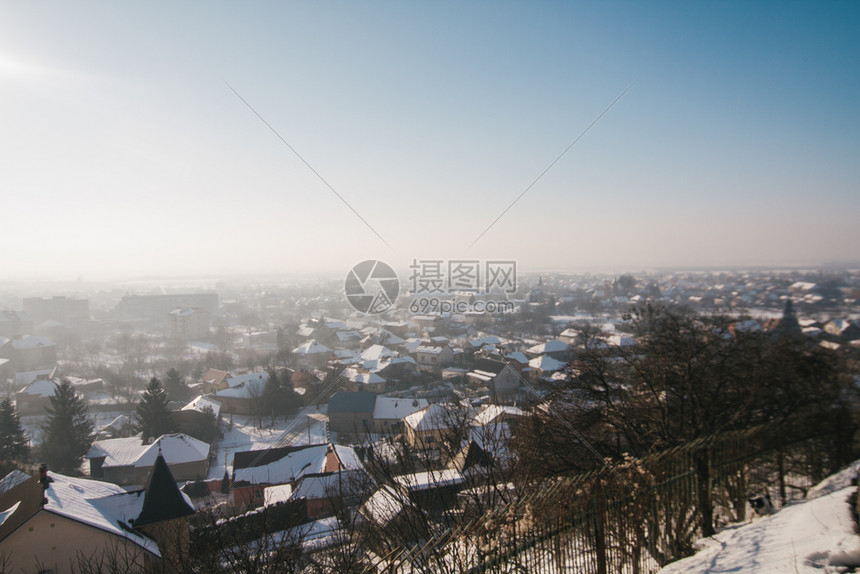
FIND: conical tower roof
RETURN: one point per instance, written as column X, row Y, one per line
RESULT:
column 162, row 500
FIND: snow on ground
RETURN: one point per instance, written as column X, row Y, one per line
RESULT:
column 816, row 534
column 245, row 435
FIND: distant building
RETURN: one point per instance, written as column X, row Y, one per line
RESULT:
column 189, row 324
column 155, row 308
column 15, row 323
column 28, row 353
column 71, row 312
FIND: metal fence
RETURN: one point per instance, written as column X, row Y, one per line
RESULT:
column 641, row 514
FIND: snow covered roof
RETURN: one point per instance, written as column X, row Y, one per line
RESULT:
column 332, row 485
column 492, row 412
column 377, row 352
column 621, row 340
column 519, row 357
column 311, row 348
column 8, row 512
column 250, row 390
column 545, row 364
column 385, row 504
column 393, row 408
column 41, row 387
column 32, row 342
column 176, row 448
column 296, row 463
column 552, row 346
column 433, row 417
column 305, row 331
column 12, row 480
column 431, row 348
column 240, row 380
column 201, row 402
column 363, row 377
column 27, row 377
column 485, row 376
column 275, row 494
column 98, row 504
column 485, row 340
column 343, row 336
column 411, row 344
column 118, row 422
column 430, row 479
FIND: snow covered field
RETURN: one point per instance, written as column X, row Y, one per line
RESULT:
column 813, row 535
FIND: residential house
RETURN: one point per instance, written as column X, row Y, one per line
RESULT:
column 497, row 376
column 126, row 461
column 32, row 399
column 195, row 413
column 213, row 380
column 431, row 426
column 351, row 412
column 312, row 353
column 389, row 412
column 60, row 520
column 246, row 398
column 365, row 380
column 434, row 355
column 555, row 348
column 327, row 493
column 255, row 470
column 544, row 366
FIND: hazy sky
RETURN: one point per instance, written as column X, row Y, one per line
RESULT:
column 123, row 152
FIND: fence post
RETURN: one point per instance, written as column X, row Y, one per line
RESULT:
column 600, row 533
column 780, row 464
column 705, row 488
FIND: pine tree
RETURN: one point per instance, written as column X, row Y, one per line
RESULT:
column 13, row 441
column 68, row 432
column 175, row 386
column 279, row 396
column 153, row 413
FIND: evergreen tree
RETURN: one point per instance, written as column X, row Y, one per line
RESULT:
column 68, row 432
column 175, row 386
column 204, row 427
column 153, row 416
column 13, row 441
column 279, row 396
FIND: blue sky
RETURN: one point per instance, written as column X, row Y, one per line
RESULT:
column 124, row 153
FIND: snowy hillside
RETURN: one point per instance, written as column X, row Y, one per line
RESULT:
column 813, row 535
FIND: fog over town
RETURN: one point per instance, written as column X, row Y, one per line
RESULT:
column 448, row 287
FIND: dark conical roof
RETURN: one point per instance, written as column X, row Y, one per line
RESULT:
column 162, row 500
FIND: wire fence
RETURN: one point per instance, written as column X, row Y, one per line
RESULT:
column 595, row 523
